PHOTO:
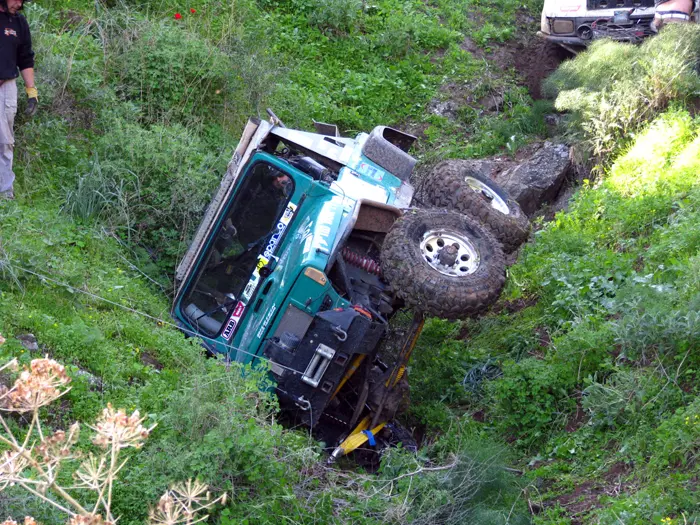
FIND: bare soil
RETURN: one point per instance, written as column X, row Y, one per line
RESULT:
column 585, row 497
column 532, row 58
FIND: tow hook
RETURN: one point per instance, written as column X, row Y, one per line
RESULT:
column 341, row 334
column 303, row 403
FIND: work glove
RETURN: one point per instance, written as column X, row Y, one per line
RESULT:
column 32, row 101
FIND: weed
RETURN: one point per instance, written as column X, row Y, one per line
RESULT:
column 338, row 17
column 607, row 108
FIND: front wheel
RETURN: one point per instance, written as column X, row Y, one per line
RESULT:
column 443, row 263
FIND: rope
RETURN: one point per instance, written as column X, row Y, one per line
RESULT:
column 153, row 318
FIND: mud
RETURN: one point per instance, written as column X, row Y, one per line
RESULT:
column 149, row 359
column 577, row 419
column 585, row 497
column 531, row 57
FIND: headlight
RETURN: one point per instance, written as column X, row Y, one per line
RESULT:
column 560, row 25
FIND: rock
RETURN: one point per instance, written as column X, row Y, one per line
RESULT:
column 94, row 381
column 484, row 167
column 534, row 178
column 538, row 179
column 552, row 119
column 445, row 108
column 29, row 342
column 492, row 102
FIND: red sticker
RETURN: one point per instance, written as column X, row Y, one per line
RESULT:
column 233, row 321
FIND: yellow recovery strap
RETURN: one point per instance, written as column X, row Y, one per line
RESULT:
column 357, row 438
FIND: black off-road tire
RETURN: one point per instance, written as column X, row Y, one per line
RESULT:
column 398, row 434
column 446, row 186
column 421, row 285
column 545, row 58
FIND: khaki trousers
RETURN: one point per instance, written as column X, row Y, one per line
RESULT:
column 8, row 110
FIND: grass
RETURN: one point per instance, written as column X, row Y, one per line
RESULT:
column 140, row 113
column 615, row 89
column 62, row 282
column 598, row 371
column 586, row 374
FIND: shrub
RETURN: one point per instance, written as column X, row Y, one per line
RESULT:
column 472, row 486
column 173, row 75
column 531, row 399
column 398, row 32
column 612, row 89
column 677, row 439
column 655, row 332
column 36, row 461
column 151, row 185
column 219, row 426
column 617, row 400
column 335, row 16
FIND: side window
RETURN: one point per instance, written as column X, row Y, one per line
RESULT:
column 233, row 255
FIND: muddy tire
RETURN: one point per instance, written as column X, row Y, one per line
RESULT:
column 546, row 58
column 416, row 258
column 452, row 187
column 400, row 435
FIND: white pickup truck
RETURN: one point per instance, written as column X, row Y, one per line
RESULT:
column 575, row 23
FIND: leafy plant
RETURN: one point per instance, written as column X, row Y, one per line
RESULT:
column 335, row 16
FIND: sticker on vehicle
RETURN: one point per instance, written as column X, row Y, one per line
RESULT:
column 229, row 329
column 263, row 260
column 279, row 230
column 326, row 217
column 266, row 321
column 370, row 171
column 233, row 320
column 254, row 279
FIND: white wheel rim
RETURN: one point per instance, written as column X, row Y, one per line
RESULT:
column 496, row 202
column 467, row 258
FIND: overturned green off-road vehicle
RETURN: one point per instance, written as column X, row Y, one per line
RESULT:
column 309, row 249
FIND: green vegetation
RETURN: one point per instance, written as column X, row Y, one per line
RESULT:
column 140, row 112
column 584, row 377
column 614, row 90
column 214, row 421
column 596, row 344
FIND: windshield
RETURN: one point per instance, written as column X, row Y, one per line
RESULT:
column 246, row 239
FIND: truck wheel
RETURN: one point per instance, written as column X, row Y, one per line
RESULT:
column 443, row 263
column 449, row 186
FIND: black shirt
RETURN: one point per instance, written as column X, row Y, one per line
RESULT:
column 15, row 45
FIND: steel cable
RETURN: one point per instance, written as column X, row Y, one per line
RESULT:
column 152, row 317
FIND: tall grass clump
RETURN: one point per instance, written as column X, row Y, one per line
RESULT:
column 613, row 88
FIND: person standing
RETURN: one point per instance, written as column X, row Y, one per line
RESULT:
column 672, row 12
column 16, row 54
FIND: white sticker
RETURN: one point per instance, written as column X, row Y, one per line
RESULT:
column 233, row 320
column 324, row 225
column 355, row 188
column 230, row 327
column 279, row 230
column 266, row 321
column 253, row 282
column 307, row 237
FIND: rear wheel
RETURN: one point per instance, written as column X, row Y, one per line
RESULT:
column 443, row 263
column 453, row 186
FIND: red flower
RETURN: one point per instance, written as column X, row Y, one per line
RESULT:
column 193, row 10
column 178, row 16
